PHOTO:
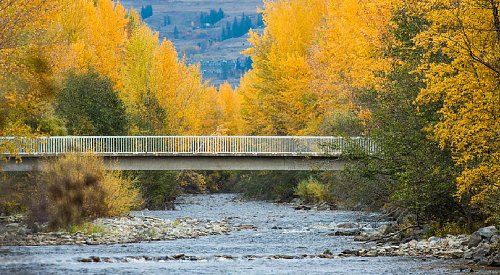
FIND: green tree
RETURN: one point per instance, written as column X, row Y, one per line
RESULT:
column 158, row 188
column 268, row 185
column 412, row 173
column 90, row 106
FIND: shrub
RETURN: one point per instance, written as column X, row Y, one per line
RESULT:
column 312, row 191
column 192, row 182
column 159, row 188
column 15, row 187
column 267, row 185
column 72, row 189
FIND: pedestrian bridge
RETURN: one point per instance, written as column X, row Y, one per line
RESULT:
column 188, row 152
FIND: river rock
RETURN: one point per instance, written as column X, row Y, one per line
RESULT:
column 350, row 252
column 119, row 230
column 346, row 232
column 348, row 225
column 323, row 207
column 286, row 257
column 495, row 239
column 487, row 232
column 85, row 260
column 302, row 207
column 481, row 251
column 452, row 254
column 494, row 260
column 474, row 239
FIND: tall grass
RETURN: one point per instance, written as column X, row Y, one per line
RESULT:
column 73, row 189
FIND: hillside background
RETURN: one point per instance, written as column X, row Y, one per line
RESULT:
column 215, row 44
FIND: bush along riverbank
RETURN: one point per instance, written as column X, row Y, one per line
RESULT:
column 15, row 231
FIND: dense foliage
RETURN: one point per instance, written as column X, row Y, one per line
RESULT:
column 421, row 78
column 89, row 106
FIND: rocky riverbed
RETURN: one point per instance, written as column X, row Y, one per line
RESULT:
column 242, row 237
column 15, row 231
column 481, row 248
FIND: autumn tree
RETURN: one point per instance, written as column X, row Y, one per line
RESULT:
column 21, row 22
column 228, row 102
column 276, row 99
column 348, row 58
column 90, row 35
column 467, row 84
column 412, row 173
column 142, row 106
column 25, row 84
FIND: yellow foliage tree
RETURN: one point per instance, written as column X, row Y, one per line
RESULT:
column 25, row 86
column 136, row 79
column 276, row 99
column 188, row 104
column 465, row 81
column 348, row 53
column 311, row 60
column 228, row 100
column 90, row 34
column 22, row 22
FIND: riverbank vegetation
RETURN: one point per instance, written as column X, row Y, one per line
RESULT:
column 74, row 189
column 421, row 79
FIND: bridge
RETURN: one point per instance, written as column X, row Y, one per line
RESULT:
column 188, row 152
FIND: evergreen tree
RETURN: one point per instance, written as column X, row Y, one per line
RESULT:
column 229, row 33
column 220, row 14
column 236, row 29
column 146, row 11
column 176, row 33
column 248, row 63
column 260, row 20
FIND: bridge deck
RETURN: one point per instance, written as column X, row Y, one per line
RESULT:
column 188, row 145
column 190, row 153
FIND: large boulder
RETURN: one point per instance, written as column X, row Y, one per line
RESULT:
column 474, row 239
column 487, row 232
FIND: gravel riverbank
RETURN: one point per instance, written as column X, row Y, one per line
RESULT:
column 481, row 248
column 14, row 231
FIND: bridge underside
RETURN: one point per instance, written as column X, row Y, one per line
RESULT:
column 207, row 163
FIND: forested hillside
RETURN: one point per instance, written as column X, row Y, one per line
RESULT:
column 212, row 33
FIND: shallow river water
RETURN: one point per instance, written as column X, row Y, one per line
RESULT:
column 281, row 230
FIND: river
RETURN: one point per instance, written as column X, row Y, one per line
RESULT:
column 280, row 230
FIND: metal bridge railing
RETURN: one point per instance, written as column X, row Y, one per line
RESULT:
column 190, row 145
